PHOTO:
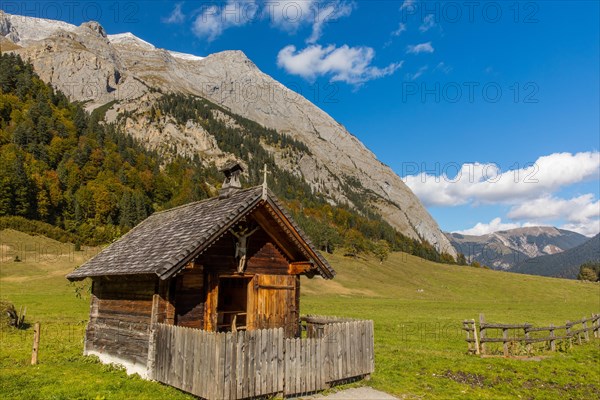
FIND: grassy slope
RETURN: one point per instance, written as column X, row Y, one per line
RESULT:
column 420, row 350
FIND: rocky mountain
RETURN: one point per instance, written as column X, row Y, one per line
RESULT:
column 565, row 264
column 128, row 75
column 505, row 249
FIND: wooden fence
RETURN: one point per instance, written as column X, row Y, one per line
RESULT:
column 477, row 340
column 245, row 364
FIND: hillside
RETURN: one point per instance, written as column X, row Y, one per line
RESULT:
column 129, row 74
column 417, row 307
column 506, row 249
column 563, row 265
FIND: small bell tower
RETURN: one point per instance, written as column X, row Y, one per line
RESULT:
column 232, row 183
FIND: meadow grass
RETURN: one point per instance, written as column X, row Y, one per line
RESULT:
column 417, row 307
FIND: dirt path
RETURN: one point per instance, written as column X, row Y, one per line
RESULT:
column 363, row 393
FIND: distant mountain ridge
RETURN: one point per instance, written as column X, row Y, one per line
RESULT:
column 565, row 264
column 130, row 75
column 506, row 249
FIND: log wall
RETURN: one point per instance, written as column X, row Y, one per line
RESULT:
column 120, row 318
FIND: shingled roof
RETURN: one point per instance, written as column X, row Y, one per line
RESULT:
column 166, row 241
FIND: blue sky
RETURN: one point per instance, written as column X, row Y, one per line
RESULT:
column 507, row 92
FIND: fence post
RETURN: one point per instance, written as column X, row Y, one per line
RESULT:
column 569, row 325
column 586, row 334
column 467, row 329
column 36, row 343
column 596, row 325
column 475, row 335
column 505, row 342
column 527, row 337
column 552, row 341
column 151, row 360
column 482, row 332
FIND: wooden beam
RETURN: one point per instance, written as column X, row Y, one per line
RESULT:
column 300, row 267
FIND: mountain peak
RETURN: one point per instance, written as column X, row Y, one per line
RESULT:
column 130, row 39
column 22, row 30
column 96, row 27
column 507, row 248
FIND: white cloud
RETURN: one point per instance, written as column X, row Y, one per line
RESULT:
column 428, row 23
column 213, row 20
column 446, row 69
column 587, row 229
column 476, row 183
column 577, row 209
column 406, row 4
column 286, row 15
column 420, row 48
column 290, row 15
column 176, row 17
column 580, row 214
column 330, row 12
column 494, row 225
column 342, row 64
column 401, row 28
column 416, row 75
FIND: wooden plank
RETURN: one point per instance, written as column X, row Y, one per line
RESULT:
column 239, row 366
column 288, row 388
column 305, row 366
column 328, row 353
column 286, row 367
column 300, row 386
column 353, row 349
column 199, row 364
column 312, row 357
column 297, row 366
column 227, row 366
column 210, row 392
column 222, row 365
column 247, row 364
column 371, row 347
column 196, row 366
column 280, row 360
column 252, row 370
column 270, row 370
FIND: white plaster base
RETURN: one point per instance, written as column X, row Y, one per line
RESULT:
column 130, row 367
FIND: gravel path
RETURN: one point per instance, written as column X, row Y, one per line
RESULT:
column 363, row 393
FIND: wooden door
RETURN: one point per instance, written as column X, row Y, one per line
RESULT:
column 275, row 304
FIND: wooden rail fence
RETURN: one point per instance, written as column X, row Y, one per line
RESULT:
column 246, row 364
column 478, row 338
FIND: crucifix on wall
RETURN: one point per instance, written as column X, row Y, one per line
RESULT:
column 241, row 246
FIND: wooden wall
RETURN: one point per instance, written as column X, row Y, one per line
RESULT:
column 189, row 297
column 120, row 317
column 273, row 294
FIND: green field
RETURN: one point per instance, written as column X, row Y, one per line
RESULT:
column 417, row 307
